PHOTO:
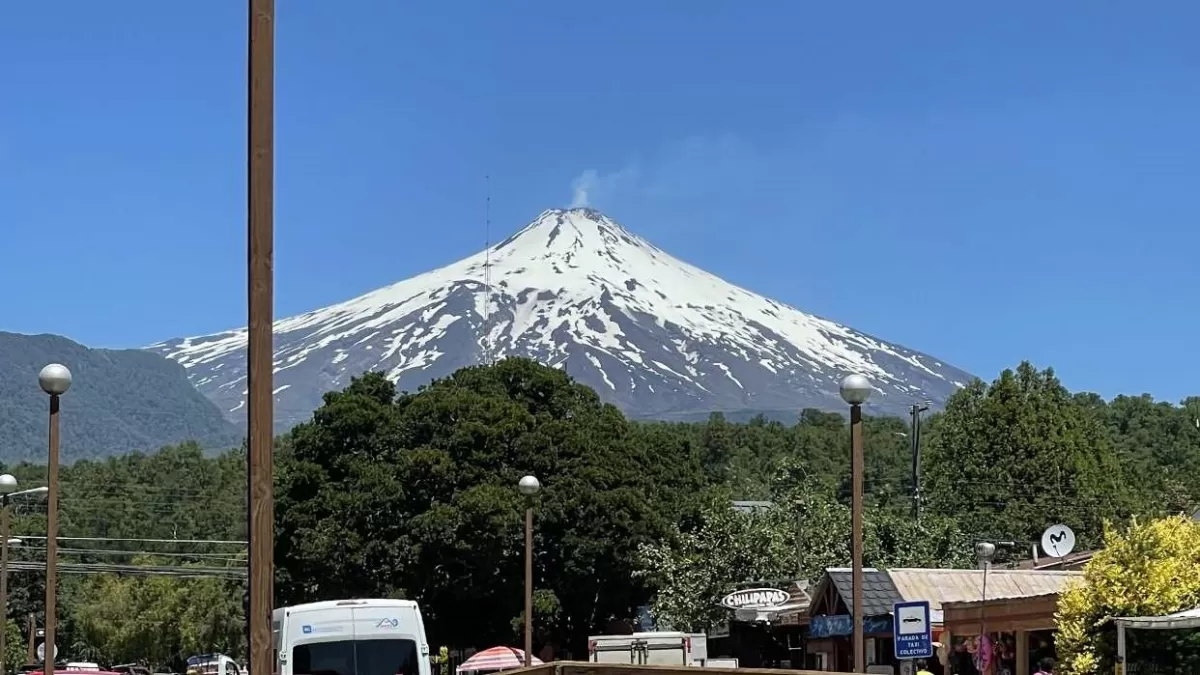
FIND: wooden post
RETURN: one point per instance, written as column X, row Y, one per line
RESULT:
column 260, row 349
column 3, row 579
column 528, row 585
column 51, row 539
column 856, row 524
column 31, row 655
column 1022, row 652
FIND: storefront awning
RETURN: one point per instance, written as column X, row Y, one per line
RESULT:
column 1178, row 621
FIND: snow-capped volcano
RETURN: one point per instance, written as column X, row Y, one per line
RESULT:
column 573, row 289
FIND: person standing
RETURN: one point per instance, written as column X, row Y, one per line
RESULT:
column 923, row 668
column 1045, row 667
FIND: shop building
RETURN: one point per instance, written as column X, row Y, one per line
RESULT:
column 764, row 629
column 1018, row 613
column 830, row 622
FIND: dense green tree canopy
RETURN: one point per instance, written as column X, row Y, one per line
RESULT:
column 694, row 568
column 804, row 532
column 414, row 495
column 158, row 620
column 1010, row 459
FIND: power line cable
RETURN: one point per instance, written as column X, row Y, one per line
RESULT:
column 219, row 542
column 198, row 571
column 123, row 552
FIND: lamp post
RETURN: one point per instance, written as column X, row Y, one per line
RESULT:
column 55, row 380
column 528, row 487
column 855, row 390
column 985, row 552
column 8, row 490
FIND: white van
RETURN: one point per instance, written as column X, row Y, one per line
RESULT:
column 350, row 637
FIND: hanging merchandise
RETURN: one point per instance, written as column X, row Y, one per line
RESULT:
column 983, row 655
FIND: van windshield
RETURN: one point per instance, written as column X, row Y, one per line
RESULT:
column 356, row 657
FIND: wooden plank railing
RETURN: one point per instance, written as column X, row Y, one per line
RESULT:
column 588, row 668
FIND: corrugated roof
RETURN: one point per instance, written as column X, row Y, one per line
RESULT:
column 942, row 585
column 1073, row 561
column 1178, row 621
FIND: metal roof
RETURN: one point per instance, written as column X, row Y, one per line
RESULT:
column 950, row 585
column 884, row 588
column 1178, row 621
column 1074, row 560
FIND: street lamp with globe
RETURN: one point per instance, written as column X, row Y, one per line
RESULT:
column 855, row 390
column 55, row 380
column 528, row 486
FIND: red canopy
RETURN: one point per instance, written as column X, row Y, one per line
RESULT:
column 497, row 658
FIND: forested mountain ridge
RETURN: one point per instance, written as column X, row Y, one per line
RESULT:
column 120, row 401
column 414, row 495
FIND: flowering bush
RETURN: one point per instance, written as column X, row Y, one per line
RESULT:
column 1149, row 569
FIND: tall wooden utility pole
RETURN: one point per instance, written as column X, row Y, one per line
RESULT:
column 260, row 273
column 915, row 436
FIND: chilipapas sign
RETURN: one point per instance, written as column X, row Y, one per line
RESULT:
column 756, row 598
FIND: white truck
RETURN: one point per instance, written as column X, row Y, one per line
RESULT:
column 213, row 664
column 662, row 648
column 351, row 637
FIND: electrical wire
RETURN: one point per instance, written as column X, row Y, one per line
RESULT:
column 97, row 552
column 186, row 572
column 219, row 542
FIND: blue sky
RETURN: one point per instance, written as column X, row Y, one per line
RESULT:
column 986, row 184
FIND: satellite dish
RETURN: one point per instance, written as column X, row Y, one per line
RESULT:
column 1058, row 541
column 41, row 651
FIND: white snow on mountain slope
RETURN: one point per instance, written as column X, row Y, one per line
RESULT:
column 573, row 289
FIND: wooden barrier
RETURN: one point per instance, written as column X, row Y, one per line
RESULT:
column 589, row 668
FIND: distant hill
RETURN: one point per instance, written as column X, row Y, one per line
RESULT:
column 120, row 401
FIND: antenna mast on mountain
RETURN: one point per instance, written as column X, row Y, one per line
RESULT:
column 486, row 343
